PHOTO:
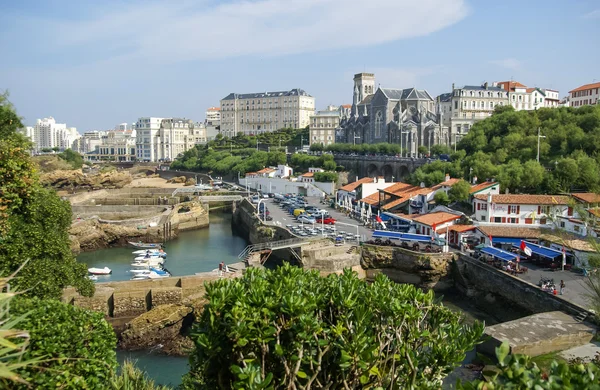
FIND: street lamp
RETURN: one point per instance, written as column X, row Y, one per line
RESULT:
column 355, row 137
column 538, row 145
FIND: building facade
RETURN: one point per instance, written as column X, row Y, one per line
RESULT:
column 175, row 136
column 521, row 209
column 323, row 125
column 402, row 116
column 255, row 113
column 146, row 129
column 47, row 134
column 587, row 94
column 213, row 116
column 465, row 106
column 523, row 98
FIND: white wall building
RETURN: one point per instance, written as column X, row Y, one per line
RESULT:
column 146, row 130
column 213, row 116
column 285, row 186
column 523, row 98
column 49, row 134
column 254, row 113
column 90, row 141
column 323, row 125
column 525, row 210
column 585, row 95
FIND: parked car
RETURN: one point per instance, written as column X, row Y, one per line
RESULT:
column 255, row 199
column 326, row 221
column 298, row 212
column 306, row 219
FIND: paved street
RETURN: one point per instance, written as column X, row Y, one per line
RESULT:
column 282, row 218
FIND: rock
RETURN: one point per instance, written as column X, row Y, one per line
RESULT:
column 77, row 179
column 190, row 182
column 177, row 180
column 164, row 327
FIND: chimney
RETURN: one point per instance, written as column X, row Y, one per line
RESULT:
column 356, row 178
column 474, row 179
column 447, row 177
column 422, row 185
column 489, row 197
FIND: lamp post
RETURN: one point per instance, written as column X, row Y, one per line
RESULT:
column 349, row 224
column 355, row 137
column 538, row 144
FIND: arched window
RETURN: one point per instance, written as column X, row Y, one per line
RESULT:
column 378, row 124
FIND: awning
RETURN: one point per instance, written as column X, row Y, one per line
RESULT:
column 402, row 236
column 507, row 240
column 499, row 253
column 541, row 250
column 387, row 216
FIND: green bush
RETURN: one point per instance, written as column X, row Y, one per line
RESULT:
column 76, row 346
column 291, row 328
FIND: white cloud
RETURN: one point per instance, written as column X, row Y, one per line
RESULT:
column 508, row 63
column 595, row 14
column 201, row 29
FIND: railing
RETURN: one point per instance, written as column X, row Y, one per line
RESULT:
column 273, row 245
column 219, row 198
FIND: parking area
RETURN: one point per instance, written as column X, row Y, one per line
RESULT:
column 344, row 226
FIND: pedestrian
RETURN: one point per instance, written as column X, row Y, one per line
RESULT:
column 221, row 269
column 562, row 287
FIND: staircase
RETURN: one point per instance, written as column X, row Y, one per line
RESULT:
column 581, row 316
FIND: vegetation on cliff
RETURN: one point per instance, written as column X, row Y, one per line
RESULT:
column 290, row 328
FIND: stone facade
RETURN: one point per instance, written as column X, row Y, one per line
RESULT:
column 401, row 116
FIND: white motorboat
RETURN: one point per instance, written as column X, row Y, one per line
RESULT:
column 100, row 271
column 150, row 259
column 92, row 277
column 151, row 252
column 153, row 273
column 145, row 245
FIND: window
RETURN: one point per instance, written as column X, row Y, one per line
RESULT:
column 576, row 228
column 570, row 211
column 512, row 209
column 528, row 221
column 498, row 219
column 484, row 206
column 378, row 123
column 455, row 105
column 513, row 220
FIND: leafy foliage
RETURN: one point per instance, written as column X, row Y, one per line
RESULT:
column 132, row 378
column 17, row 175
column 40, row 233
column 73, row 158
column 326, row 177
column 76, row 346
column 289, row 328
column 519, row 372
column 460, row 191
column 441, row 198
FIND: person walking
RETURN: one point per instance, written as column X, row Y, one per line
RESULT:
column 562, row 287
column 221, row 269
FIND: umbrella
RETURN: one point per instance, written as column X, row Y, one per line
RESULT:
column 369, row 212
column 363, row 211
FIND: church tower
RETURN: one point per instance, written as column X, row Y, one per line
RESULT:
column 364, row 85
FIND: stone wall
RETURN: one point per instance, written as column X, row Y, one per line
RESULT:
column 189, row 175
column 426, row 270
column 324, row 256
column 246, row 221
column 131, row 298
column 484, row 282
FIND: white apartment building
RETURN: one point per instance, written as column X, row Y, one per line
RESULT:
column 146, row 138
column 116, row 145
column 461, row 108
column 49, row 134
column 523, row 98
column 585, row 95
column 521, row 209
column 323, row 125
column 254, row 113
column 174, row 136
column 213, row 116
column 89, row 142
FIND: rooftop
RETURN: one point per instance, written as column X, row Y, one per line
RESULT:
column 510, row 86
column 258, row 95
column 482, row 186
column 437, row 218
column 587, row 197
column 509, row 231
column 352, row 186
column 406, row 94
column 568, row 241
column 526, row 199
column 461, row 228
column 482, row 88
column 586, row 87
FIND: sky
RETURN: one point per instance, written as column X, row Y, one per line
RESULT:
column 94, row 64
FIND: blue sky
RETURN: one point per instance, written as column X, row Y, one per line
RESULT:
column 94, row 64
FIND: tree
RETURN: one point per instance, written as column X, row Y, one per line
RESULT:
column 318, row 147
column 567, row 173
column 329, row 165
column 291, row 328
column 72, row 157
column 441, row 198
column 459, row 192
column 423, row 151
column 436, row 150
column 75, row 347
column 325, row 177
column 533, row 175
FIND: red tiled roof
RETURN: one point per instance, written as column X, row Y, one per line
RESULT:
column 461, row 228
column 308, row 174
column 352, row 186
column 266, row 170
column 510, row 86
column 347, row 105
column 587, row 197
column 586, row 87
column 438, row 218
column 447, row 183
column 482, row 186
column 509, row 231
column 214, row 109
column 526, row 199
column 594, row 211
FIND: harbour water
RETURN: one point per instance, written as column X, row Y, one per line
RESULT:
column 193, row 251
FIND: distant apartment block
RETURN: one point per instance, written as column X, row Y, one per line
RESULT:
column 587, row 94
column 47, row 134
column 254, row 113
column 523, row 98
column 163, row 139
column 323, row 125
column 213, row 116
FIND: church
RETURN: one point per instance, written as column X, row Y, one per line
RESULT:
column 406, row 117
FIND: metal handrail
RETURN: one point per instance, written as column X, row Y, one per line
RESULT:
column 292, row 242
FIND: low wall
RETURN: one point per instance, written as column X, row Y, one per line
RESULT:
column 132, row 192
column 246, row 221
column 477, row 278
column 131, row 298
column 426, row 270
column 116, row 209
column 189, row 175
column 326, row 257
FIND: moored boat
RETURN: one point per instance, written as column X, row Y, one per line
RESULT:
column 141, row 244
column 100, row 271
column 151, row 252
column 150, row 259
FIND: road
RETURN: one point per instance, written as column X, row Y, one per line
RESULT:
column 575, row 289
column 344, row 223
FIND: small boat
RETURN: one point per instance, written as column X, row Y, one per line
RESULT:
column 153, row 273
column 150, row 259
column 100, row 271
column 145, row 245
column 151, row 252
column 92, row 277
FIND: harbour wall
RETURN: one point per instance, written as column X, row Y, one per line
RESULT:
column 247, row 222
column 486, row 284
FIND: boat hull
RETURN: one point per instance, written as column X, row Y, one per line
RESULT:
column 145, row 245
